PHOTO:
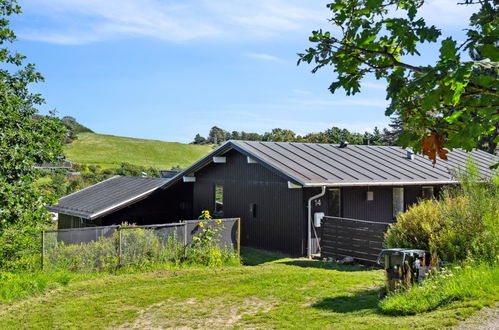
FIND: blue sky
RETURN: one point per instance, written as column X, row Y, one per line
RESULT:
column 170, row 69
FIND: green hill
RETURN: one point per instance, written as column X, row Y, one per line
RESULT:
column 109, row 151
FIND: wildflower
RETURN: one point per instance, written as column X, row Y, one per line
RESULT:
column 218, row 221
column 201, row 224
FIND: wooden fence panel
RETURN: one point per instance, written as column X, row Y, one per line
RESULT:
column 360, row 239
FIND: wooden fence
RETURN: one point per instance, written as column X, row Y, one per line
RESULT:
column 359, row 239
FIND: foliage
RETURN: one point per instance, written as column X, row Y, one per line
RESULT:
column 453, row 102
column 474, row 281
column 205, row 248
column 462, row 224
column 26, row 138
column 73, row 128
column 141, row 248
column 20, row 248
column 331, row 135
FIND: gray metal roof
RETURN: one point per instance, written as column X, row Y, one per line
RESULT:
column 107, row 196
column 314, row 164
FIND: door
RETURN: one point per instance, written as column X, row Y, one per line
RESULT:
column 329, row 205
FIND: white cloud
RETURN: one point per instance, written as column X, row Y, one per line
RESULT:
column 302, row 92
column 85, row 21
column 263, row 57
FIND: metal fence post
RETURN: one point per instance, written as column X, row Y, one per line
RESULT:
column 239, row 237
column 119, row 245
column 185, row 234
column 43, row 249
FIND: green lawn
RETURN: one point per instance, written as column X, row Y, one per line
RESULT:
column 272, row 292
column 109, row 151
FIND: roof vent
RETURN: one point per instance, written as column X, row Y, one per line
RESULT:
column 344, row 144
column 410, row 154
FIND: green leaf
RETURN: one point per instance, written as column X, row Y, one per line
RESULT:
column 490, row 51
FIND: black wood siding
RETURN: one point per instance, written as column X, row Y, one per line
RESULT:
column 279, row 223
column 356, row 205
column 161, row 206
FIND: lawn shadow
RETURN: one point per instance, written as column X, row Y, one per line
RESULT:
column 327, row 265
column 253, row 257
column 361, row 300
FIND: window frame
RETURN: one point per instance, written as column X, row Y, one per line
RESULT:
column 432, row 192
column 215, row 200
column 401, row 205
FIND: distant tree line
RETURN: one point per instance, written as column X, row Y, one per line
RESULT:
column 335, row 134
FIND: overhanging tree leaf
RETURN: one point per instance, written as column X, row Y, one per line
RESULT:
column 453, row 101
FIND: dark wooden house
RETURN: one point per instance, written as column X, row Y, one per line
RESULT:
column 278, row 188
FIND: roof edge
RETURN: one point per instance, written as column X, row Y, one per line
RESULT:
column 371, row 184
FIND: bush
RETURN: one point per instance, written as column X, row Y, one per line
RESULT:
column 140, row 248
column 20, row 248
column 479, row 282
column 463, row 224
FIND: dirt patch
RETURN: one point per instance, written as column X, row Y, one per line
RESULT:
column 191, row 313
column 486, row 319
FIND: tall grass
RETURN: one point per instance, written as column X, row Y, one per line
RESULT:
column 478, row 282
column 15, row 286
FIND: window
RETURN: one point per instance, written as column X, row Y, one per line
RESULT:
column 219, row 199
column 334, row 206
column 398, row 201
column 427, row 192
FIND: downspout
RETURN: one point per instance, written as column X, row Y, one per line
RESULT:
column 309, row 243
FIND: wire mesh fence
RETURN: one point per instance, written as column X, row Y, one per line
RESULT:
column 108, row 247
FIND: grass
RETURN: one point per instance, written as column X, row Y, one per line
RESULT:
column 109, row 151
column 274, row 291
column 472, row 282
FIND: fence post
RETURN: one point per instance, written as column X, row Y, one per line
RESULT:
column 185, row 234
column 43, row 248
column 239, row 237
column 119, row 245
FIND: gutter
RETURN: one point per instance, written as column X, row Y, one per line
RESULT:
column 309, row 222
column 388, row 183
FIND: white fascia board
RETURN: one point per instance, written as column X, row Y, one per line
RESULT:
column 189, row 179
column 292, row 185
column 220, row 160
column 96, row 215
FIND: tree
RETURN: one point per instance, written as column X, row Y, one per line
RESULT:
column 217, row 135
column 281, row 135
column 198, row 139
column 26, row 138
column 451, row 103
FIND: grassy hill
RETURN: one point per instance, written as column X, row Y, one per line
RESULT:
column 109, row 151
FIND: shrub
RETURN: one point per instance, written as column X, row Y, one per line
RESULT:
column 140, row 248
column 473, row 281
column 20, row 248
column 462, row 224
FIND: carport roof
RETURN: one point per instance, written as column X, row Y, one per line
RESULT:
column 314, row 164
column 107, row 196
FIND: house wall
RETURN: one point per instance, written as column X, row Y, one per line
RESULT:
column 354, row 203
column 278, row 224
column 161, row 206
